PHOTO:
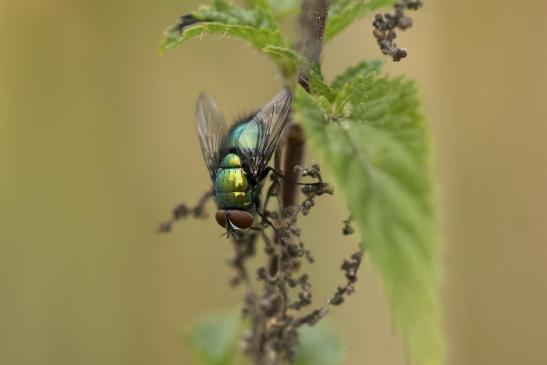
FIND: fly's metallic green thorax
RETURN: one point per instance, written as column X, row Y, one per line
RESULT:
column 231, row 186
column 244, row 136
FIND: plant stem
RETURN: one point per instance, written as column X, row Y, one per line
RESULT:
column 312, row 20
column 294, row 154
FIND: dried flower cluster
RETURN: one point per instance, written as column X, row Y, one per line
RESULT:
column 182, row 211
column 278, row 308
column 277, row 311
column 385, row 25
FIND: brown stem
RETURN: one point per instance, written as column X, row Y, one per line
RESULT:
column 294, row 154
column 273, row 263
column 312, row 20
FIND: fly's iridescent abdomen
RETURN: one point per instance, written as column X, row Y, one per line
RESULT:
column 231, row 187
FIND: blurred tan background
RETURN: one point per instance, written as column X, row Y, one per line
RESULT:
column 97, row 144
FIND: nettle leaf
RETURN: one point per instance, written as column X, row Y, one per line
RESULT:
column 215, row 339
column 256, row 25
column 319, row 87
column 363, row 68
column 378, row 145
column 259, row 16
column 342, row 13
column 318, row 345
column 285, row 52
column 260, row 38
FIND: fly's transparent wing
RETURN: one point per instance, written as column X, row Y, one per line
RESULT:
column 259, row 138
column 211, row 130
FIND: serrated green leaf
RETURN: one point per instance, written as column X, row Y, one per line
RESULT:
column 318, row 345
column 285, row 52
column 215, row 338
column 257, row 26
column 342, row 13
column 259, row 16
column 363, row 68
column 318, row 86
column 378, row 145
column 259, row 38
column 287, row 59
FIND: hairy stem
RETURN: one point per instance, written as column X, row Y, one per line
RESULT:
column 294, row 154
column 312, row 20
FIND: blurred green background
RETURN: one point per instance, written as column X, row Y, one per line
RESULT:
column 97, row 144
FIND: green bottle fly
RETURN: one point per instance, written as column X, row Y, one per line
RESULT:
column 237, row 158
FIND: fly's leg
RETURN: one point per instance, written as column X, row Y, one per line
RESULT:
column 182, row 211
column 312, row 172
column 265, row 220
column 308, row 188
column 262, row 212
column 271, row 192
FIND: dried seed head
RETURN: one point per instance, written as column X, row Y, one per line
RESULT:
column 385, row 25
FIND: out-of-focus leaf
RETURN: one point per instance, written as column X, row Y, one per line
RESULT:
column 256, row 25
column 318, row 86
column 377, row 143
column 221, row 11
column 215, row 338
column 258, row 37
column 288, row 53
column 283, row 7
column 362, row 68
column 318, row 345
column 342, row 13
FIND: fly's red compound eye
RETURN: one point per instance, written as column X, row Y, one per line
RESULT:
column 240, row 219
column 220, row 216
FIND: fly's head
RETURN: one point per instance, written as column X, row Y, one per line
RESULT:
column 234, row 221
